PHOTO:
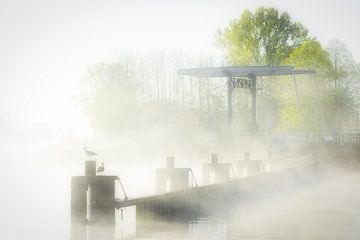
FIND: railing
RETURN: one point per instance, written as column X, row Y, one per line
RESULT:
column 308, row 137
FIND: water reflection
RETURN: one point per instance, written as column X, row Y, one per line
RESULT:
column 327, row 209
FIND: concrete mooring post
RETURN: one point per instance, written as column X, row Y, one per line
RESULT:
column 172, row 179
column 90, row 168
column 215, row 172
column 247, row 167
column 92, row 201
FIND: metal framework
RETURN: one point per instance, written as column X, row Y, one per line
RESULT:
column 243, row 77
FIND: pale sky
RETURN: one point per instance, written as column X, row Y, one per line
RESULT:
column 46, row 45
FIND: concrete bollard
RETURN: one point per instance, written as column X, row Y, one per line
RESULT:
column 92, row 201
column 90, row 168
column 246, row 156
column 170, row 162
column 247, row 167
column 213, row 158
column 215, row 172
column 171, row 179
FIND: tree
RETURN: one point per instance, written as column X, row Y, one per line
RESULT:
column 344, row 69
column 334, row 84
column 110, row 97
column 344, row 77
column 265, row 37
column 310, row 55
column 144, row 93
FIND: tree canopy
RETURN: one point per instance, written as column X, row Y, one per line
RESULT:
column 265, row 37
column 144, row 92
column 310, row 55
column 269, row 37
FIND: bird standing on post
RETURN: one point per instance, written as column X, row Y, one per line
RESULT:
column 101, row 169
column 89, row 153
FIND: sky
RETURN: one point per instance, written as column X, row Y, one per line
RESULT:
column 45, row 46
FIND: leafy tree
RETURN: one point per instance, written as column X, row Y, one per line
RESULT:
column 289, row 117
column 144, row 93
column 342, row 61
column 344, row 77
column 265, row 37
column 310, row 55
column 335, row 84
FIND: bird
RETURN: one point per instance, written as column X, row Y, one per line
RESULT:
column 89, row 153
column 101, row 169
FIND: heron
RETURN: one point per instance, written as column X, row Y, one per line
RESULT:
column 101, row 168
column 89, row 153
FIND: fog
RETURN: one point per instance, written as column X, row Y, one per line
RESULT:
column 37, row 194
column 105, row 76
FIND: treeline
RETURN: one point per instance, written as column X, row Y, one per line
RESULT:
column 139, row 92
column 143, row 92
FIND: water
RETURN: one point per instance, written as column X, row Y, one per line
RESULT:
column 35, row 204
column 327, row 209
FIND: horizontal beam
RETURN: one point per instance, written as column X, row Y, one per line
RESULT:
column 303, row 72
column 243, row 71
column 203, row 193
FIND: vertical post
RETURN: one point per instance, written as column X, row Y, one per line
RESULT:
column 92, row 201
column 90, row 168
column 246, row 156
column 103, row 200
column 229, row 100
column 356, row 123
column 170, row 162
column 213, row 158
column 253, row 104
column 79, row 187
column 302, row 124
column 319, row 104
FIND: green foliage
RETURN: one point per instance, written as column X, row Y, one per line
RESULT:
column 139, row 93
column 310, row 55
column 338, row 104
column 334, row 68
column 341, row 58
column 289, row 117
column 144, row 93
column 265, row 37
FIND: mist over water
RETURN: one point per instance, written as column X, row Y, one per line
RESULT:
column 104, row 76
column 35, row 202
column 327, row 208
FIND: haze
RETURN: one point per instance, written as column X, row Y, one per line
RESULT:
column 46, row 46
column 46, row 49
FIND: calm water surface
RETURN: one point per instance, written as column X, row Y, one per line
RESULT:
column 35, row 205
column 329, row 209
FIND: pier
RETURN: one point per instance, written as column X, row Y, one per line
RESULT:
column 178, row 195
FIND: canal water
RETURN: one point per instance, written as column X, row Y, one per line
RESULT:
column 329, row 209
column 35, row 204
